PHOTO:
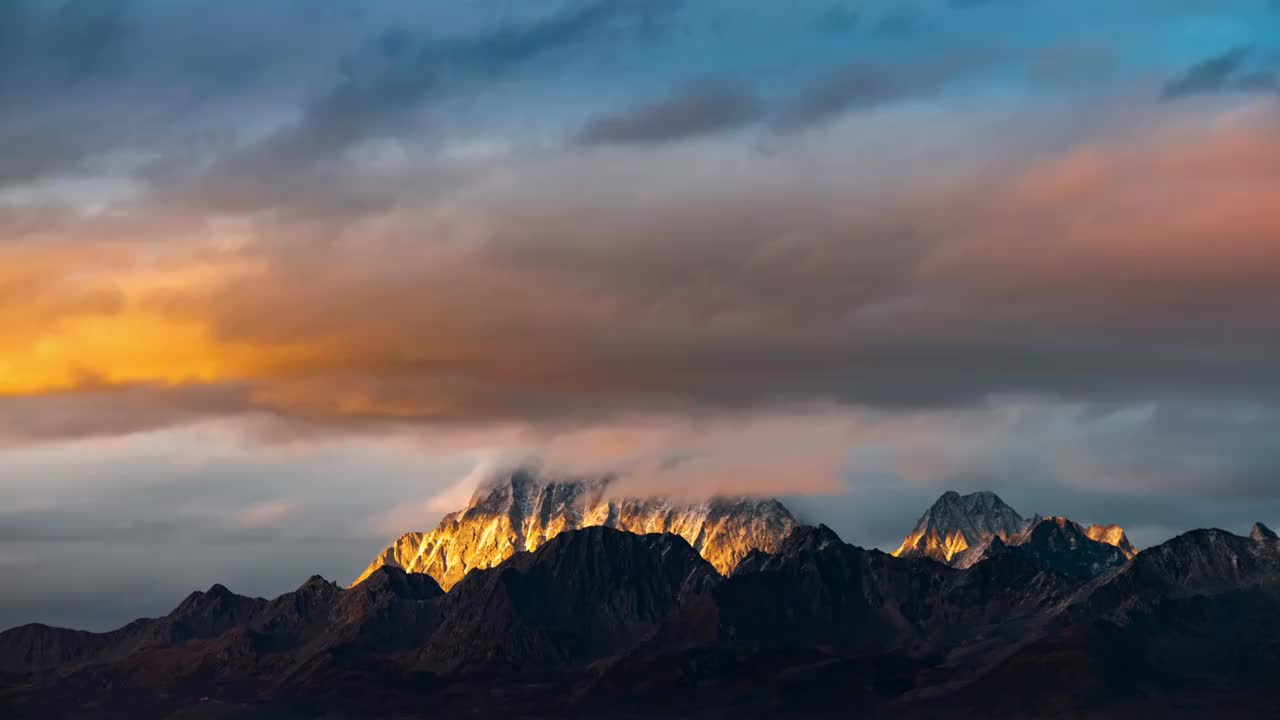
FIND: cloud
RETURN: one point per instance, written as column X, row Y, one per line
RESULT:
column 265, row 514
column 457, row 496
column 110, row 529
column 1230, row 71
column 66, row 44
column 567, row 289
column 63, row 527
column 867, row 83
column 697, row 109
column 382, row 89
column 43, row 51
column 95, row 409
column 252, row 95
column 85, row 83
column 794, row 452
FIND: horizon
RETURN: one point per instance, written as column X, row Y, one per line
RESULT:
column 282, row 281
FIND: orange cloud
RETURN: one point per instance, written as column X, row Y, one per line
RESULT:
column 1185, row 213
column 567, row 292
column 92, row 315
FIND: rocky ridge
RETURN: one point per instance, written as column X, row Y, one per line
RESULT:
column 602, row 623
column 961, row 530
column 520, row 511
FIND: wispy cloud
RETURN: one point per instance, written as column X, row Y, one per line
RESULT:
column 1234, row 70
column 265, row 514
column 698, row 109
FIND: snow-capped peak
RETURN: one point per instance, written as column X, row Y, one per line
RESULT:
column 520, row 510
column 958, row 523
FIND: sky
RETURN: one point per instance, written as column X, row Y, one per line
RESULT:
column 279, row 279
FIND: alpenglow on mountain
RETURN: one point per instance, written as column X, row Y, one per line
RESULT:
column 960, row 529
column 520, row 511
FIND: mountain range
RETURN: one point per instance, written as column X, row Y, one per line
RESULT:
column 953, row 529
column 597, row 622
column 519, row 511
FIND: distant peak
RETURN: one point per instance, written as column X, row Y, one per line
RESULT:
column 1262, row 532
column 315, row 582
column 1058, row 520
column 815, row 537
column 973, row 500
column 957, row 522
column 981, row 502
column 804, row 539
column 1112, row 535
column 1056, row 524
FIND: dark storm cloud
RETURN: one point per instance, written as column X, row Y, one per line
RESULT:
column 1233, row 70
column 697, row 109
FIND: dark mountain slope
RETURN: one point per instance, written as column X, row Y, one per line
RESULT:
column 1055, row 544
column 1189, row 628
column 583, row 596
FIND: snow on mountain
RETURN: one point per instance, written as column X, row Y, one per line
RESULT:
column 962, row 530
column 520, row 511
column 1112, row 535
column 956, row 522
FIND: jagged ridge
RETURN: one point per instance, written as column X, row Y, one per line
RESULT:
column 963, row 529
column 1054, row 543
column 956, row 522
column 519, row 511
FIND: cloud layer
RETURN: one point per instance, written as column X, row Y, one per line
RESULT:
column 561, row 287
